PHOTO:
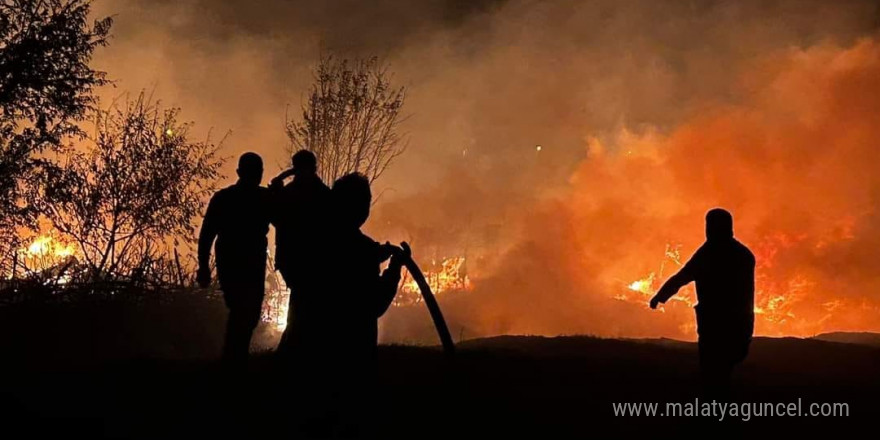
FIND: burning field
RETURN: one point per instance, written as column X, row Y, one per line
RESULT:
column 561, row 155
column 549, row 163
column 794, row 159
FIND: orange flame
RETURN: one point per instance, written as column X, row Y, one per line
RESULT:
column 449, row 275
column 47, row 246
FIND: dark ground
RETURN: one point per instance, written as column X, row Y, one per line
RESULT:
column 69, row 371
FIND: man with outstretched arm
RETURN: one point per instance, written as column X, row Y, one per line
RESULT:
column 724, row 271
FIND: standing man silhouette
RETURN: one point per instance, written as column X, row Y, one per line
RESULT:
column 724, row 271
column 301, row 223
column 238, row 217
column 363, row 293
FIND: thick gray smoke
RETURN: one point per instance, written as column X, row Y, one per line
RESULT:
column 489, row 81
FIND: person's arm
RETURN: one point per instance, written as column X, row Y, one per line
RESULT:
column 676, row 282
column 388, row 282
column 386, row 250
column 207, row 234
column 276, row 197
column 278, row 182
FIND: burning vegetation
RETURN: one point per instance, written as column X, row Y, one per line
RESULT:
column 447, row 275
column 574, row 186
column 47, row 257
column 792, row 159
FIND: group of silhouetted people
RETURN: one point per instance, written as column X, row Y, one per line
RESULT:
column 338, row 292
column 333, row 270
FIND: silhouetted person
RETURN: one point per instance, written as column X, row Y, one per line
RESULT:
column 361, row 294
column 724, row 271
column 301, row 218
column 238, row 217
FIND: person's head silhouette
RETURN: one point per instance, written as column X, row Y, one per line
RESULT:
column 352, row 197
column 304, row 163
column 250, row 169
column 719, row 225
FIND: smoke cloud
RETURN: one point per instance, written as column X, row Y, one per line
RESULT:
column 647, row 113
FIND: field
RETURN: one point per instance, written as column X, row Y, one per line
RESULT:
column 117, row 370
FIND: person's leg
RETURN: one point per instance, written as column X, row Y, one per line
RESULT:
column 249, row 321
column 245, row 307
column 358, row 391
column 237, row 339
column 715, row 370
column 739, row 354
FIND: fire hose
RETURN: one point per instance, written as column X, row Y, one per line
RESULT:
column 433, row 307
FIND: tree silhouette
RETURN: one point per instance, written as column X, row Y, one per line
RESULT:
column 135, row 190
column 46, row 86
column 351, row 118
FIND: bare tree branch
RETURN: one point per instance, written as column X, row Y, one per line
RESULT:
column 138, row 186
column 350, row 119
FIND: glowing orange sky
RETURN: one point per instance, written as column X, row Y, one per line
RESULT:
column 648, row 114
